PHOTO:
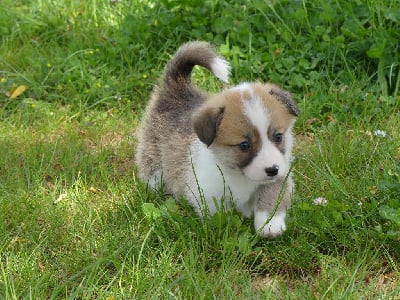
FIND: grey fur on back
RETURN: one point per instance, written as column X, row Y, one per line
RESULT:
column 168, row 118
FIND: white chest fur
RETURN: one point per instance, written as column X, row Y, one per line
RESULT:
column 209, row 183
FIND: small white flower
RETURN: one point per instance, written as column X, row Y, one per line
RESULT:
column 320, row 201
column 380, row 133
column 359, row 204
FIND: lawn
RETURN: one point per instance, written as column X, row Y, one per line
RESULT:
column 75, row 221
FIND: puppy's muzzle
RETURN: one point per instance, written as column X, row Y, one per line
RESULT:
column 272, row 171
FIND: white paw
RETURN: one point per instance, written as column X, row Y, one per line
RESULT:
column 275, row 227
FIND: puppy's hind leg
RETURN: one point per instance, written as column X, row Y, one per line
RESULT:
column 149, row 163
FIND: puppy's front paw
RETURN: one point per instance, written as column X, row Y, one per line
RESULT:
column 274, row 228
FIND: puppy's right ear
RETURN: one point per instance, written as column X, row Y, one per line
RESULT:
column 206, row 122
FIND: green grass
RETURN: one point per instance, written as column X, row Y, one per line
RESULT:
column 76, row 223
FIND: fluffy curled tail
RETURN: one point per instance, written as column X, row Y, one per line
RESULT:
column 196, row 53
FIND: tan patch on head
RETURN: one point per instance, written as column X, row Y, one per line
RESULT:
column 235, row 125
column 235, row 129
column 280, row 115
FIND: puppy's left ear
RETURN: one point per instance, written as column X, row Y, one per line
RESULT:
column 286, row 99
column 206, row 122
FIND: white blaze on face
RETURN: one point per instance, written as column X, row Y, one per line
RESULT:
column 268, row 155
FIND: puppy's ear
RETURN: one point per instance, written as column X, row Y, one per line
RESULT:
column 286, row 99
column 206, row 122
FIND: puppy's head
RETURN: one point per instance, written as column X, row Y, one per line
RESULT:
column 249, row 129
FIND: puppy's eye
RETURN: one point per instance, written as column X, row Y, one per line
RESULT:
column 244, row 146
column 278, row 137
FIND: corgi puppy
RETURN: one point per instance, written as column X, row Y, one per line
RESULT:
column 221, row 151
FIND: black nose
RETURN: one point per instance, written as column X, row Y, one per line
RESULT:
column 272, row 171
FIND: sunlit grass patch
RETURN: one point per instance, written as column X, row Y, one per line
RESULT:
column 75, row 221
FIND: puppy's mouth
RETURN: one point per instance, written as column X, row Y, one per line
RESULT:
column 268, row 179
column 261, row 180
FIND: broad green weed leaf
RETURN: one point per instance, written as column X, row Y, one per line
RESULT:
column 150, row 211
column 391, row 14
column 245, row 243
column 376, row 51
column 170, row 205
column 390, row 214
column 338, row 217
